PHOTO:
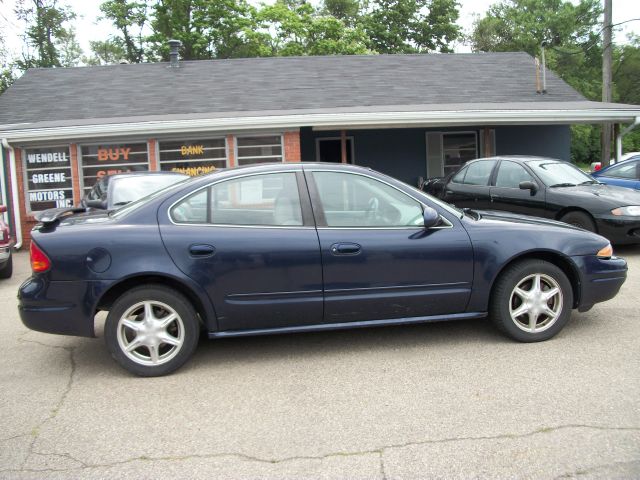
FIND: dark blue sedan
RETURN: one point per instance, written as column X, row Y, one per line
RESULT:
column 623, row 174
column 302, row 247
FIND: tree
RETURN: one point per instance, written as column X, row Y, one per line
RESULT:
column 70, row 50
column 626, row 82
column 411, row 26
column 574, row 50
column 7, row 76
column 106, row 52
column 296, row 28
column 129, row 18
column 207, row 29
column 346, row 10
column 46, row 35
column 522, row 25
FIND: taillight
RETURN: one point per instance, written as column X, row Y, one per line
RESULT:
column 39, row 260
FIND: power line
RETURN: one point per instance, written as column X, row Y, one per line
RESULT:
column 595, row 42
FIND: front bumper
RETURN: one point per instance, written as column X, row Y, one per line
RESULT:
column 619, row 230
column 600, row 279
column 64, row 308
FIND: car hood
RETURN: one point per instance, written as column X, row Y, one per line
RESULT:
column 521, row 233
column 516, row 218
column 611, row 194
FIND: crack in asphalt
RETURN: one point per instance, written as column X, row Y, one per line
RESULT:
column 596, row 468
column 382, row 471
column 274, row 461
column 35, row 432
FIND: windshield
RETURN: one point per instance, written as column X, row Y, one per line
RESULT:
column 130, row 207
column 128, row 189
column 556, row 173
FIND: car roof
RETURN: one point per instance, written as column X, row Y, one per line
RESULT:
column 519, row 158
column 142, row 173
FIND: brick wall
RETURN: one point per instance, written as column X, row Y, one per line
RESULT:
column 292, row 146
column 152, row 144
column 231, row 151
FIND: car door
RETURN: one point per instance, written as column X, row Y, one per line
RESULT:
column 507, row 195
column 251, row 243
column 623, row 175
column 378, row 260
column 469, row 188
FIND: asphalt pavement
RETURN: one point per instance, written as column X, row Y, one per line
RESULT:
column 446, row 400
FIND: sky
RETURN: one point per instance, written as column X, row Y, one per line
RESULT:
column 88, row 27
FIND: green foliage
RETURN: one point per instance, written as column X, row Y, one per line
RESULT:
column 626, row 72
column 411, row 26
column 574, row 52
column 106, row 52
column 7, row 75
column 522, row 25
column 298, row 29
column 129, row 19
column 346, row 10
column 49, row 42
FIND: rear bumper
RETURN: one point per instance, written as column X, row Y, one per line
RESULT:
column 64, row 308
column 619, row 230
column 5, row 253
column 600, row 280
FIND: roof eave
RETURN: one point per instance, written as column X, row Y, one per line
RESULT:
column 322, row 121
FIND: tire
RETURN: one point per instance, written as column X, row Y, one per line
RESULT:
column 506, row 302
column 579, row 219
column 128, row 320
column 7, row 270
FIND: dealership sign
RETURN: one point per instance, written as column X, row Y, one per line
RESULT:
column 48, row 178
column 100, row 160
column 193, row 158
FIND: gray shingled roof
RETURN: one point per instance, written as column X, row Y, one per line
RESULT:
column 275, row 84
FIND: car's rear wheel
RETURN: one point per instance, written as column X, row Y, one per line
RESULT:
column 531, row 301
column 151, row 330
column 7, row 270
column 579, row 219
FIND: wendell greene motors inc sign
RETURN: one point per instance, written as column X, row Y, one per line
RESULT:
column 48, row 178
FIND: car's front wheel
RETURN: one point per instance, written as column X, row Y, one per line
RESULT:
column 152, row 330
column 531, row 301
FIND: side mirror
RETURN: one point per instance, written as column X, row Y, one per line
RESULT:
column 3, row 208
column 431, row 217
column 528, row 185
column 99, row 204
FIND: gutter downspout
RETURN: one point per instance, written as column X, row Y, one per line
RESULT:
column 14, row 193
column 622, row 134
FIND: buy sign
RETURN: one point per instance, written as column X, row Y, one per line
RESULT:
column 113, row 154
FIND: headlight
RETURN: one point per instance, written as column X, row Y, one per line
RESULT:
column 631, row 210
column 606, row 252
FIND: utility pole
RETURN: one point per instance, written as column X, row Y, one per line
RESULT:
column 606, row 80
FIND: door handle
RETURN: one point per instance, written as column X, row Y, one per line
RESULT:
column 201, row 250
column 345, row 248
